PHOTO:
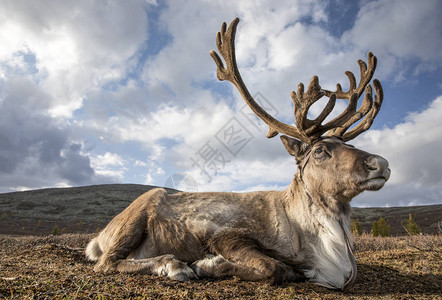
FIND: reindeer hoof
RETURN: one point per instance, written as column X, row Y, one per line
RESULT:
column 181, row 277
column 104, row 268
column 184, row 275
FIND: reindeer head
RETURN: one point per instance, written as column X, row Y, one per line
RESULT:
column 327, row 166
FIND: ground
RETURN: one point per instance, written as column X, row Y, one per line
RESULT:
column 54, row 267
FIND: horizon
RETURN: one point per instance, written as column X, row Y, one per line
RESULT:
column 154, row 186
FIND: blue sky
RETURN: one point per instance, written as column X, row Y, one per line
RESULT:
column 125, row 91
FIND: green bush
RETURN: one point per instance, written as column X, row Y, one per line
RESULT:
column 411, row 227
column 355, row 227
column 55, row 230
column 380, row 228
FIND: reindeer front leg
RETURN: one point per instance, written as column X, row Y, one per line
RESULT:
column 242, row 256
column 125, row 232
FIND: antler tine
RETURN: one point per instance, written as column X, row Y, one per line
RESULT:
column 225, row 41
column 307, row 130
column 327, row 109
column 343, row 118
column 368, row 109
column 310, row 129
column 366, row 76
column 365, row 124
column 357, row 115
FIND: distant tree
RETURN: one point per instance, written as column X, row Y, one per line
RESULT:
column 55, row 230
column 411, row 227
column 355, row 227
column 375, row 229
column 380, row 228
column 384, row 227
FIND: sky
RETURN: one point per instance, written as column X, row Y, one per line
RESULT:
column 98, row 92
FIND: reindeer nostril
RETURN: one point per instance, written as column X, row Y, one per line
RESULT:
column 370, row 167
column 371, row 164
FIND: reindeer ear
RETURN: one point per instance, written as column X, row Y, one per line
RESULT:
column 294, row 147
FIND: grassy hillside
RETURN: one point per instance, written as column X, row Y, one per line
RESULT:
column 427, row 217
column 79, row 209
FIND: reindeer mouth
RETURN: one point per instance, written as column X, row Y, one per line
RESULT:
column 374, row 184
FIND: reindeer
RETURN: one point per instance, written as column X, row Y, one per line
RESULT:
column 301, row 233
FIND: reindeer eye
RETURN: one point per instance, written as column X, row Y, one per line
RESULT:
column 319, row 151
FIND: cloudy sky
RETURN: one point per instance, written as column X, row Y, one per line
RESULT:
column 113, row 91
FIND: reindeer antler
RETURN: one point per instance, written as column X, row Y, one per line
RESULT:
column 306, row 130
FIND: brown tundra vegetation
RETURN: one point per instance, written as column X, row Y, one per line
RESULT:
column 54, row 267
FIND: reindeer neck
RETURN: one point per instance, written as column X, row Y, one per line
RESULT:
column 312, row 202
column 326, row 227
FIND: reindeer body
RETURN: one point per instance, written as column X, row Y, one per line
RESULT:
column 192, row 226
column 299, row 233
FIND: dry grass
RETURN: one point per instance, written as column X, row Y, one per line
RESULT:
column 55, row 268
column 367, row 242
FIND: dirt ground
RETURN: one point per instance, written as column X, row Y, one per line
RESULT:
column 54, row 267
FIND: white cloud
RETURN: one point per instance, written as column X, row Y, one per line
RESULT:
column 149, row 180
column 188, row 126
column 77, row 45
column 412, row 149
column 400, row 28
column 262, row 187
column 153, row 172
column 399, row 31
column 54, row 53
column 108, row 159
column 140, row 163
column 240, row 175
column 109, row 165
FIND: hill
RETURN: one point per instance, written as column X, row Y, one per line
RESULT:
column 427, row 217
column 79, row 209
column 89, row 208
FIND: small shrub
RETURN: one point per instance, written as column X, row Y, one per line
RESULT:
column 375, row 229
column 411, row 227
column 384, row 227
column 380, row 228
column 355, row 227
column 55, row 230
